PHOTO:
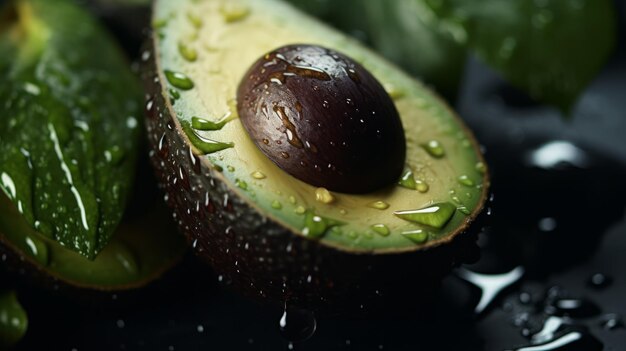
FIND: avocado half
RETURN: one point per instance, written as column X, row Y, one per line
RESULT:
column 266, row 232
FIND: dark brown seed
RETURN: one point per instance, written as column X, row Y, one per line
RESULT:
column 310, row 99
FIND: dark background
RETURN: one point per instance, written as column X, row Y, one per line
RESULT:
column 562, row 222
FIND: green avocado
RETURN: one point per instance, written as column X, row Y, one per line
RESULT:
column 255, row 222
column 69, row 137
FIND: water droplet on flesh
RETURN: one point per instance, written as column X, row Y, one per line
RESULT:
column 434, row 149
column 179, row 80
column 379, row 205
column 324, row 196
column 436, row 215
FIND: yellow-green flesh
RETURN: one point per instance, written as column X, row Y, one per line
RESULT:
column 226, row 37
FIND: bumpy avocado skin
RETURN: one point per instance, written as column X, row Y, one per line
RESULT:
column 259, row 257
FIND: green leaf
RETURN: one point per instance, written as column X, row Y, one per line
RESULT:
column 404, row 31
column 69, row 130
column 550, row 48
column 13, row 319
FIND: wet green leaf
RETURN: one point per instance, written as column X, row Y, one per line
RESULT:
column 69, row 130
column 549, row 48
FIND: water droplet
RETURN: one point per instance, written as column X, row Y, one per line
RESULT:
column 421, row 186
column 611, row 321
column 258, row 175
column 436, row 215
column 315, row 226
column 297, row 324
column 418, row 236
column 195, row 20
column 551, row 327
column 466, row 180
column 381, row 229
column 187, row 52
column 300, row 210
column 336, row 231
column 8, row 185
column 38, row 249
column 481, row 167
column 379, row 205
column 571, row 341
column 231, row 169
column 114, row 155
column 491, row 285
column 131, row 122
column 434, row 149
column 159, row 23
column 233, row 11
column 407, row 180
column 525, row 298
column 394, row 92
column 324, row 196
column 576, row 308
column 149, row 105
column 290, row 128
column 547, row 224
column 206, row 146
column 276, row 205
column 32, row 89
column 241, row 184
column 179, row 80
column 284, row 154
column 599, row 281
column 126, row 259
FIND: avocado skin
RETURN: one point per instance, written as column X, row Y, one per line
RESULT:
column 259, row 257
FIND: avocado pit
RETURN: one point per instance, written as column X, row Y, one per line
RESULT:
column 322, row 118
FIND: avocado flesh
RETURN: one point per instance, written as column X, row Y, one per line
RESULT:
column 229, row 38
column 140, row 251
